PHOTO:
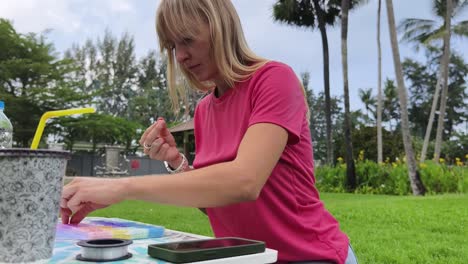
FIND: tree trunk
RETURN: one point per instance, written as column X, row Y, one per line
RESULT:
column 379, row 94
column 326, row 78
column 443, row 98
column 435, row 101
column 413, row 174
column 350, row 168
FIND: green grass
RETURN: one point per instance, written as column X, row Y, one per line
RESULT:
column 382, row 229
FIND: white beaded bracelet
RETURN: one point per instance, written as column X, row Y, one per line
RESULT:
column 182, row 167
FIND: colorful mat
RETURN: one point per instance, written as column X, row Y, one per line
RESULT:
column 96, row 227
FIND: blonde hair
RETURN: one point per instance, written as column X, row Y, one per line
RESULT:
column 235, row 61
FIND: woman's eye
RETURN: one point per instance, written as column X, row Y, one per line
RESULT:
column 187, row 40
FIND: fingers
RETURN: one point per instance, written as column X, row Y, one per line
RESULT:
column 68, row 191
column 84, row 195
column 158, row 142
column 65, row 214
column 81, row 214
column 164, row 132
column 159, row 151
column 155, row 132
column 170, row 153
column 76, row 202
column 67, row 206
column 147, row 131
column 155, row 148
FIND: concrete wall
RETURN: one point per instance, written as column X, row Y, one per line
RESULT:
column 86, row 164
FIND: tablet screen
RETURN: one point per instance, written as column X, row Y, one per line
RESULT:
column 207, row 244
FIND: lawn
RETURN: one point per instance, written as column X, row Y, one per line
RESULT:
column 382, row 229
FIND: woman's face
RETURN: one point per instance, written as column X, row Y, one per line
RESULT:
column 194, row 54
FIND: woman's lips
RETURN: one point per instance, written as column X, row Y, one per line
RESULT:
column 192, row 68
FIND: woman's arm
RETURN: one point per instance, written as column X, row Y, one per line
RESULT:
column 239, row 180
column 221, row 184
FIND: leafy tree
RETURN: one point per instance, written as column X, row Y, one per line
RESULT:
column 151, row 98
column 364, row 138
column 390, row 113
column 369, row 103
column 318, row 122
column 85, row 72
column 31, row 80
column 97, row 128
column 422, row 77
column 455, row 148
column 427, row 33
column 391, row 105
column 107, row 70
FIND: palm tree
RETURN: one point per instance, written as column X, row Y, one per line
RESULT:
column 390, row 104
column 304, row 13
column 379, row 90
column 425, row 32
column 350, row 166
column 413, row 174
column 428, row 32
column 444, row 76
column 315, row 14
column 366, row 97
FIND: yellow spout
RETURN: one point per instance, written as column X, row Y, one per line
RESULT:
column 52, row 114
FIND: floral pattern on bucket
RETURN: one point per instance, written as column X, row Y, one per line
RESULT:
column 30, row 189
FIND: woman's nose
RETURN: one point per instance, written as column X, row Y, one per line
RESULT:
column 181, row 53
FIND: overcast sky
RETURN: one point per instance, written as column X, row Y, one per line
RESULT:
column 74, row 21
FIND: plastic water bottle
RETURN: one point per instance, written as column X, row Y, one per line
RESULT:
column 6, row 129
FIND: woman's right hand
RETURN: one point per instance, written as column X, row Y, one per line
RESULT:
column 159, row 144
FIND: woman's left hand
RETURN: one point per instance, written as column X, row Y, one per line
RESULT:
column 85, row 195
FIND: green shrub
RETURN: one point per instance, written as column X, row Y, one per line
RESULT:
column 331, row 178
column 440, row 178
column 392, row 178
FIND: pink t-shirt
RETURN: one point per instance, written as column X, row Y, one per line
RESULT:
column 288, row 215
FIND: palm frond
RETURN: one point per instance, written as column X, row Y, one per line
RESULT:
column 411, row 23
column 414, row 30
column 438, row 8
column 459, row 6
column 429, row 37
column 461, row 29
column 295, row 13
column 355, row 4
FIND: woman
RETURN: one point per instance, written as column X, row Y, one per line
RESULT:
column 253, row 168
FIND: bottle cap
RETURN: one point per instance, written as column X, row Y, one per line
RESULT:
column 2, row 105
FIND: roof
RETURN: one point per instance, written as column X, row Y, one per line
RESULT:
column 185, row 126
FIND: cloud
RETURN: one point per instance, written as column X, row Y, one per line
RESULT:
column 121, row 6
column 37, row 16
column 73, row 21
column 68, row 17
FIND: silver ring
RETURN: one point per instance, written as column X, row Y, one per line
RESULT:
column 146, row 146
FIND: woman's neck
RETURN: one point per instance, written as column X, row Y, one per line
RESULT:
column 221, row 88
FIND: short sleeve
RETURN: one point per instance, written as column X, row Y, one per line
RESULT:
column 277, row 98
